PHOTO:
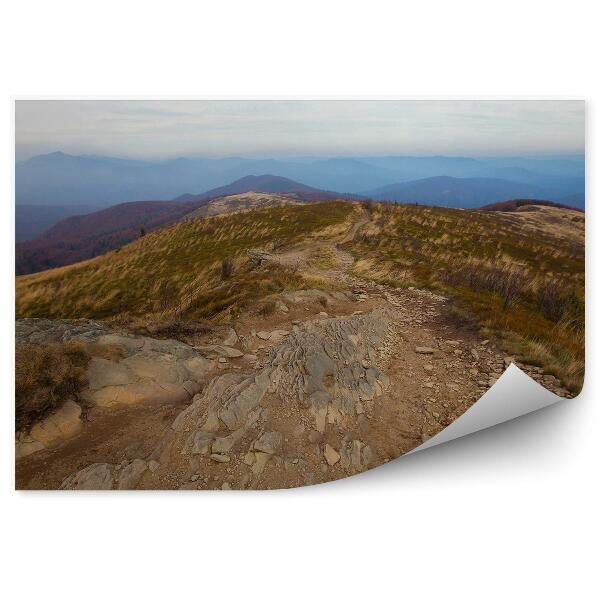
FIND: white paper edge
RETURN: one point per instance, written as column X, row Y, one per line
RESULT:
column 513, row 395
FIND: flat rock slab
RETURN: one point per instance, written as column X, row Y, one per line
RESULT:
column 424, row 350
column 62, row 424
column 219, row 350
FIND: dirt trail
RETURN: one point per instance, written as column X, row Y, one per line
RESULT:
column 331, row 384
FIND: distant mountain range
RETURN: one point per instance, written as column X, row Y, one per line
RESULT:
column 54, row 186
column 81, row 237
column 63, row 179
column 455, row 192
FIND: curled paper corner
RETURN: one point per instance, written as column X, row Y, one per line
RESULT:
column 513, row 395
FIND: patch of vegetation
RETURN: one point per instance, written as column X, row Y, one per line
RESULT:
column 177, row 271
column 226, row 268
column 268, row 308
column 520, row 279
column 47, row 376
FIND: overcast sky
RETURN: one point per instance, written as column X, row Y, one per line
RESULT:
column 168, row 129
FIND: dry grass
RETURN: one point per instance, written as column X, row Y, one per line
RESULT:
column 178, row 271
column 520, row 279
column 47, row 376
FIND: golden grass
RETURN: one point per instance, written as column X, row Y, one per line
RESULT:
column 520, row 279
column 177, row 270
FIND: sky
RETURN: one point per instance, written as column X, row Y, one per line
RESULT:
column 163, row 129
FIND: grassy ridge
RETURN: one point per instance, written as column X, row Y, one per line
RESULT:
column 177, row 269
column 520, row 277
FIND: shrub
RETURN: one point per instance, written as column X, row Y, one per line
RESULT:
column 268, row 308
column 47, row 376
column 554, row 301
column 508, row 284
column 226, row 268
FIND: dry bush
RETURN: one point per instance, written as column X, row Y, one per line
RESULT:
column 175, row 329
column 226, row 268
column 554, row 301
column 268, row 308
column 47, row 376
column 508, row 284
column 369, row 206
column 322, row 300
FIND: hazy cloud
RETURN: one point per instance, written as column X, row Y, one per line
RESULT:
column 166, row 129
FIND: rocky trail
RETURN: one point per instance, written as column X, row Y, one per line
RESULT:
column 330, row 384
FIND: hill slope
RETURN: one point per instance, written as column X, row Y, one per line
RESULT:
column 85, row 236
column 519, row 204
column 32, row 221
column 176, row 268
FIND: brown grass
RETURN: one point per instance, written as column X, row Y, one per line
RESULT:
column 47, row 376
column 522, row 280
column 194, row 269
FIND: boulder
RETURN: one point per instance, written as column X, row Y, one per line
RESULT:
column 98, row 476
column 331, row 456
column 424, row 350
column 62, row 424
column 268, row 442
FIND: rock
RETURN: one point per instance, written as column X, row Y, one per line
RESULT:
column 223, row 445
column 322, row 314
column 268, row 442
column 263, row 335
column 368, row 456
column 475, row 354
column 62, row 424
column 130, row 476
column 222, row 360
column 153, row 466
column 281, row 306
column 424, row 350
column 216, row 349
column 202, row 441
column 249, row 458
column 355, row 455
column 220, row 458
column 508, row 360
column 331, row 456
column 428, row 368
column 278, row 335
column 226, row 486
column 231, row 338
column 194, row 477
column 315, row 437
column 260, row 461
column 98, row 476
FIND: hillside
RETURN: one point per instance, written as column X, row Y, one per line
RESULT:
column 32, row 221
column 289, row 345
column 175, row 269
column 455, row 192
column 519, row 274
column 520, row 203
column 86, row 236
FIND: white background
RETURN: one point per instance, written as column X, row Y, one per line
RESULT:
column 507, row 513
